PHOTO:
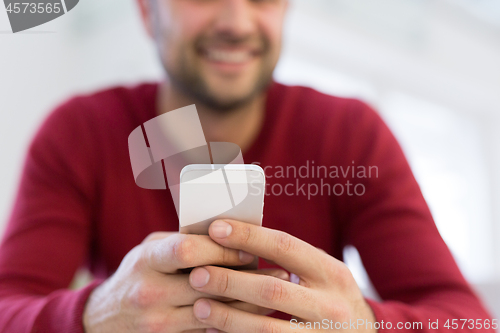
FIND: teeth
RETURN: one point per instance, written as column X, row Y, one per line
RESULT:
column 234, row 57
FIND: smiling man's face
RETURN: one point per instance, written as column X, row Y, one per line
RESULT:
column 221, row 52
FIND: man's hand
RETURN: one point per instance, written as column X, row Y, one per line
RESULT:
column 148, row 293
column 326, row 291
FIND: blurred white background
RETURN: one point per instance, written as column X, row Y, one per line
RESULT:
column 430, row 67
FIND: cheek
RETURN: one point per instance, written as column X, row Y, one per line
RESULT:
column 271, row 25
column 185, row 20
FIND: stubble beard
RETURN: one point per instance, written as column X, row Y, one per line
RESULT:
column 191, row 83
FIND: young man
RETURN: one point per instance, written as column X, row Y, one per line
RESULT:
column 78, row 202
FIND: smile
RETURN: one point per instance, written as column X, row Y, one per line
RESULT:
column 232, row 57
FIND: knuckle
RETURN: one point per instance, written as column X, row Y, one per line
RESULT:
column 246, row 234
column 225, row 255
column 284, row 244
column 152, row 236
column 225, row 320
column 342, row 274
column 135, row 259
column 143, row 296
column 345, row 272
column 273, row 291
column 336, row 311
column 223, row 283
column 152, row 255
column 184, row 251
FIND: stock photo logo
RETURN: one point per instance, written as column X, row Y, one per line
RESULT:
column 163, row 149
column 24, row 15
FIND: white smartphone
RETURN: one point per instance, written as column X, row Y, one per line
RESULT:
column 209, row 192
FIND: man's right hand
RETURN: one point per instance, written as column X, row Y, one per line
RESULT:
column 148, row 293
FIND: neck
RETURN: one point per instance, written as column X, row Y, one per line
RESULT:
column 240, row 126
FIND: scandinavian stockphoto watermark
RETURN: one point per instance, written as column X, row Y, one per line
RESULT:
column 311, row 179
column 26, row 14
column 327, row 324
column 162, row 147
column 449, row 324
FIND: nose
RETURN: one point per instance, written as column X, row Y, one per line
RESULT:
column 235, row 18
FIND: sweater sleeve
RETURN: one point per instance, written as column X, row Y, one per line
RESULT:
column 391, row 226
column 48, row 234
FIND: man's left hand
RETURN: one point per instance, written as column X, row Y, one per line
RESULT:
column 327, row 291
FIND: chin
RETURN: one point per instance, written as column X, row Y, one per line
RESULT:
column 225, row 104
column 222, row 93
column 231, row 88
column 228, row 97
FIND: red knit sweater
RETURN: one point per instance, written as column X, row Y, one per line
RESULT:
column 78, row 204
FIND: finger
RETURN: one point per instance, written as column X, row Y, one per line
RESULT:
column 285, row 250
column 261, row 290
column 179, row 320
column 231, row 320
column 275, row 272
column 179, row 251
column 251, row 308
column 175, row 289
column 213, row 330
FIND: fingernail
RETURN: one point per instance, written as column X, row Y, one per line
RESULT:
column 246, row 257
column 199, row 277
column 202, row 309
column 221, row 229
